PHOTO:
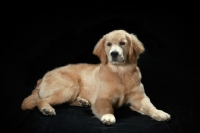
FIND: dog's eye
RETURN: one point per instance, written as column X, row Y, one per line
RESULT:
column 109, row 44
column 122, row 43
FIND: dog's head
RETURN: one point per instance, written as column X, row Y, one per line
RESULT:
column 118, row 47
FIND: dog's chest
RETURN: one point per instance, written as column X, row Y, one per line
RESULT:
column 126, row 84
column 128, row 80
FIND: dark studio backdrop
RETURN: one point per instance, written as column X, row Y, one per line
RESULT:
column 38, row 38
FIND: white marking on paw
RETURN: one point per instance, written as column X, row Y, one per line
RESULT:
column 108, row 119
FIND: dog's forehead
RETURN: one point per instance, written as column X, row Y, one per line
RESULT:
column 116, row 37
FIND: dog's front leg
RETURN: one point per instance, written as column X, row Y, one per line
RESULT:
column 141, row 103
column 144, row 106
column 103, row 109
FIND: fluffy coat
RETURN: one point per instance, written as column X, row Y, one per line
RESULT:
column 112, row 83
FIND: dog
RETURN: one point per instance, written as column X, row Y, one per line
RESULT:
column 114, row 82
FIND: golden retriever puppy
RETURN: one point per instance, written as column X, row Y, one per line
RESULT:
column 105, row 86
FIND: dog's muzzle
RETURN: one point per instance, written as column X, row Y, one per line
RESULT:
column 114, row 55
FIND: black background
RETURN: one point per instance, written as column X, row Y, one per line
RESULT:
column 39, row 37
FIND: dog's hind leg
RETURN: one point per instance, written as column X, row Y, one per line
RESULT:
column 57, row 87
column 45, row 107
column 60, row 96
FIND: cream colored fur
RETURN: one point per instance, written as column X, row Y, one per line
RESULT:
column 111, row 84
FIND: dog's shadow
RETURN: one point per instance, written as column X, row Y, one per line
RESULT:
column 121, row 113
column 125, row 112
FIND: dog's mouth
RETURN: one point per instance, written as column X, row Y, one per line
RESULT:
column 117, row 61
column 116, row 58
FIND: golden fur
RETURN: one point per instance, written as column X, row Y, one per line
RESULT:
column 114, row 82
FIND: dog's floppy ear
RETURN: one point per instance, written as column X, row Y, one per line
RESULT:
column 136, row 48
column 99, row 50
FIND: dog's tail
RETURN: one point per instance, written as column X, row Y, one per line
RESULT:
column 31, row 101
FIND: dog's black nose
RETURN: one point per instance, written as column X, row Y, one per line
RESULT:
column 114, row 53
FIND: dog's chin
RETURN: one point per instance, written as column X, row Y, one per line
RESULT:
column 116, row 62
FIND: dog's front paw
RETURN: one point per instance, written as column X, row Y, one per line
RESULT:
column 108, row 119
column 160, row 115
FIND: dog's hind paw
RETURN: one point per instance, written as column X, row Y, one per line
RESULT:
column 80, row 102
column 83, row 102
column 46, row 111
